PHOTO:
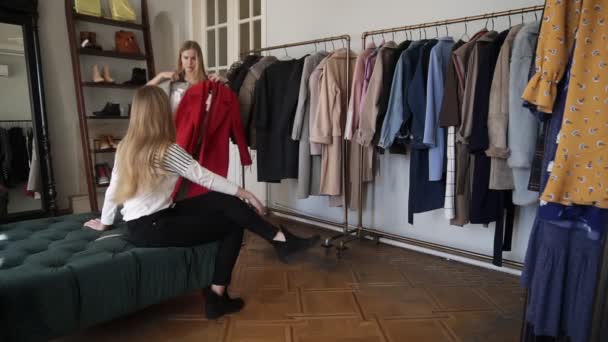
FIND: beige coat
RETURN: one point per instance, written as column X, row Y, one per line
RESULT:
column 328, row 124
column 501, row 177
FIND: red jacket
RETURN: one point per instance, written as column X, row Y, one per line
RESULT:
column 224, row 121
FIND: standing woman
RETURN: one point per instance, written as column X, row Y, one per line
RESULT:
column 190, row 71
column 148, row 165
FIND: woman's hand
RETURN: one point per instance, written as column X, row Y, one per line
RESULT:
column 217, row 78
column 250, row 199
column 96, row 225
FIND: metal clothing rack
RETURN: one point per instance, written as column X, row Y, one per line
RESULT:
column 363, row 231
column 343, row 225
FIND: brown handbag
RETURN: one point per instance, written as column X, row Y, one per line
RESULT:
column 126, row 43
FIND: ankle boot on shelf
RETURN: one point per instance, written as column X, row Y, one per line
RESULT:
column 293, row 245
column 88, row 40
column 97, row 75
column 138, row 77
column 106, row 74
column 217, row 306
column 110, row 109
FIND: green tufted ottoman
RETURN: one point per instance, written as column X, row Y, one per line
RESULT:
column 57, row 277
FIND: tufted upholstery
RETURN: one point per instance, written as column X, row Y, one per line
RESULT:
column 57, row 277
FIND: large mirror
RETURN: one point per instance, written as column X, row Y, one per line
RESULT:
column 26, row 182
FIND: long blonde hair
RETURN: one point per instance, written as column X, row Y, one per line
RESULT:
column 201, row 75
column 151, row 131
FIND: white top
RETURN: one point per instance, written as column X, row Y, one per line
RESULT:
column 177, row 162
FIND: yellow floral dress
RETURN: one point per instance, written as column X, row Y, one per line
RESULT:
column 579, row 174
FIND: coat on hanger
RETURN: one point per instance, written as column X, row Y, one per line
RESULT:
column 206, row 133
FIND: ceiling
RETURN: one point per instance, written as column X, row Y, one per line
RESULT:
column 11, row 38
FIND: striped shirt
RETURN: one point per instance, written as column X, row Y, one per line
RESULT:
column 176, row 162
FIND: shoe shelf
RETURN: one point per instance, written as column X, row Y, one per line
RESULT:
column 86, row 119
column 111, row 54
column 107, row 21
column 110, row 85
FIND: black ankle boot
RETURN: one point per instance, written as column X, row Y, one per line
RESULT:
column 218, row 306
column 293, row 244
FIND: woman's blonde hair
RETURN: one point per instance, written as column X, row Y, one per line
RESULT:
column 201, row 75
column 151, row 131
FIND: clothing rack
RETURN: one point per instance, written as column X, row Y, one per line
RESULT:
column 345, row 39
column 363, row 231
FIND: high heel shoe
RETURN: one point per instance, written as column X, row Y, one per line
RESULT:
column 106, row 74
column 111, row 142
column 97, row 75
column 292, row 245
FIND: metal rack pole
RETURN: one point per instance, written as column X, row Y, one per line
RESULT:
column 376, row 234
column 344, row 225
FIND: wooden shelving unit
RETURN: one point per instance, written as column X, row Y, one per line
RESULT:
column 77, row 52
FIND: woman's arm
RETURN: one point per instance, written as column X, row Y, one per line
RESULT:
column 161, row 76
column 108, row 211
column 177, row 160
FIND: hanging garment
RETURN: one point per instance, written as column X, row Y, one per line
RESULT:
column 453, row 113
column 356, row 92
column 314, row 89
column 5, row 157
column 276, row 99
column 206, row 118
column 238, row 75
column 246, row 97
column 434, row 136
column 577, row 176
column 19, row 167
column 390, row 57
column 424, row 195
column 34, row 181
column 369, row 110
column 301, row 128
column 501, row 177
column 328, row 125
column 523, row 125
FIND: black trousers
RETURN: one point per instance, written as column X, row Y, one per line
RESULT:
column 202, row 219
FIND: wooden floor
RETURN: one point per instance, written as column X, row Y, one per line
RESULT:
column 375, row 293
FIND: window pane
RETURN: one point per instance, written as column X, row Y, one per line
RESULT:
column 223, row 46
column 222, row 15
column 243, row 9
column 257, row 7
column 257, row 34
column 210, row 13
column 244, row 37
column 211, row 48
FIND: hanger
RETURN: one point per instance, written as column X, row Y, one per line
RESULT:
column 436, row 32
column 535, row 16
column 393, row 35
column 522, row 18
column 374, row 40
column 424, row 29
column 466, row 32
column 492, row 23
column 333, row 45
column 447, row 34
column 509, row 21
column 343, row 43
column 286, row 54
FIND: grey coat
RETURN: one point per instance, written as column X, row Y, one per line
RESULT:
column 246, row 96
column 523, row 126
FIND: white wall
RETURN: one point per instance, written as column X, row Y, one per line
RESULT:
column 386, row 205
column 14, row 91
column 169, row 28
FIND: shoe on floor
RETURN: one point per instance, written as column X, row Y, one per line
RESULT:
column 218, row 306
column 293, row 245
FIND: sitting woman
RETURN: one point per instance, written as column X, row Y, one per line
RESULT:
column 148, row 165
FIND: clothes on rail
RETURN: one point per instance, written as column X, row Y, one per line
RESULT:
column 207, row 116
column 19, row 166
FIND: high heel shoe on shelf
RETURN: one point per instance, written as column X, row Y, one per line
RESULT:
column 111, row 142
column 101, row 144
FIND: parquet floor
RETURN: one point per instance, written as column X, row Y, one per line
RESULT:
column 375, row 293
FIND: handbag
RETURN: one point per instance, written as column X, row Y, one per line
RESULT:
column 122, row 10
column 88, row 7
column 126, row 43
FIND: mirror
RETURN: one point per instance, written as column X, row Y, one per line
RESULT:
column 20, row 173
column 27, row 186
